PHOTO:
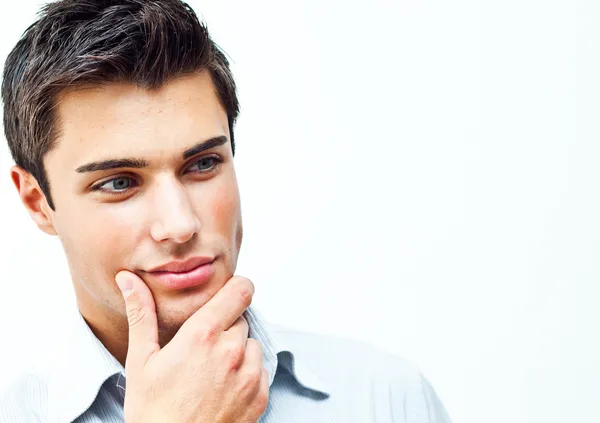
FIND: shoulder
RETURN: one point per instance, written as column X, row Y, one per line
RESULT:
column 357, row 369
column 24, row 398
column 334, row 352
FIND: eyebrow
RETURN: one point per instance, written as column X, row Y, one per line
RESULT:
column 141, row 163
column 205, row 145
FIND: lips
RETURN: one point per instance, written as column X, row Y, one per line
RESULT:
column 184, row 274
column 182, row 266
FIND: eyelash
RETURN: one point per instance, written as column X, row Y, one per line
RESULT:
column 98, row 188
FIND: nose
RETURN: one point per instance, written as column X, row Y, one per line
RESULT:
column 174, row 217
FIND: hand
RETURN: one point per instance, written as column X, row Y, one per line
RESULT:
column 209, row 372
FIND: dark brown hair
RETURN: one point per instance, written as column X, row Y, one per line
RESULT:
column 83, row 42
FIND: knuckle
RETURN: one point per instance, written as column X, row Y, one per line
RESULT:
column 209, row 332
column 246, row 290
column 251, row 380
column 135, row 314
column 234, row 354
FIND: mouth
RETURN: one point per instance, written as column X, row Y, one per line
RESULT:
column 179, row 275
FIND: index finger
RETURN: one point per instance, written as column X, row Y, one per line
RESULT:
column 222, row 310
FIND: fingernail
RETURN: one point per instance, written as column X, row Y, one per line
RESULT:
column 125, row 284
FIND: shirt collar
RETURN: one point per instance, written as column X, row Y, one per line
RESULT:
column 79, row 373
column 276, row 350
column 85, row 365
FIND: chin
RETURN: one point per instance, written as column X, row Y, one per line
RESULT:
column 169, row 325
column 172, row 314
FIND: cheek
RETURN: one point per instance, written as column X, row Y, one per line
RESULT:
column 99, row 243
column 225, row 210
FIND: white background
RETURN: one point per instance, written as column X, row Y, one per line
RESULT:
column 421, row 175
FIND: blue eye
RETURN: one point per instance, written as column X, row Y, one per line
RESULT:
column 116, row 185
column 205, row 164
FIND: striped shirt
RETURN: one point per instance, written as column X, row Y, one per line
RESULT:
column 312, row 378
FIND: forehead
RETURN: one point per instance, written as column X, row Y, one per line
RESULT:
column 123, row 119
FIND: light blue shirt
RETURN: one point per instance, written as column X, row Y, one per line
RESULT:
column 312, row 378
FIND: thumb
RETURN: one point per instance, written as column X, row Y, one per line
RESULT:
column 141, row 316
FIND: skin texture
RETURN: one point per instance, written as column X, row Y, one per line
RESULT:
column 173, row 209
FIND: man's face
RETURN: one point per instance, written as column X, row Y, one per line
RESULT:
column 138, row 218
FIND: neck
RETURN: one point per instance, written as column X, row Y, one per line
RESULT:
column 111, row 330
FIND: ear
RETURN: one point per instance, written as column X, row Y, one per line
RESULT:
column 33, row 199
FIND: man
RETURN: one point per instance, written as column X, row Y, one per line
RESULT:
column 120, row 115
